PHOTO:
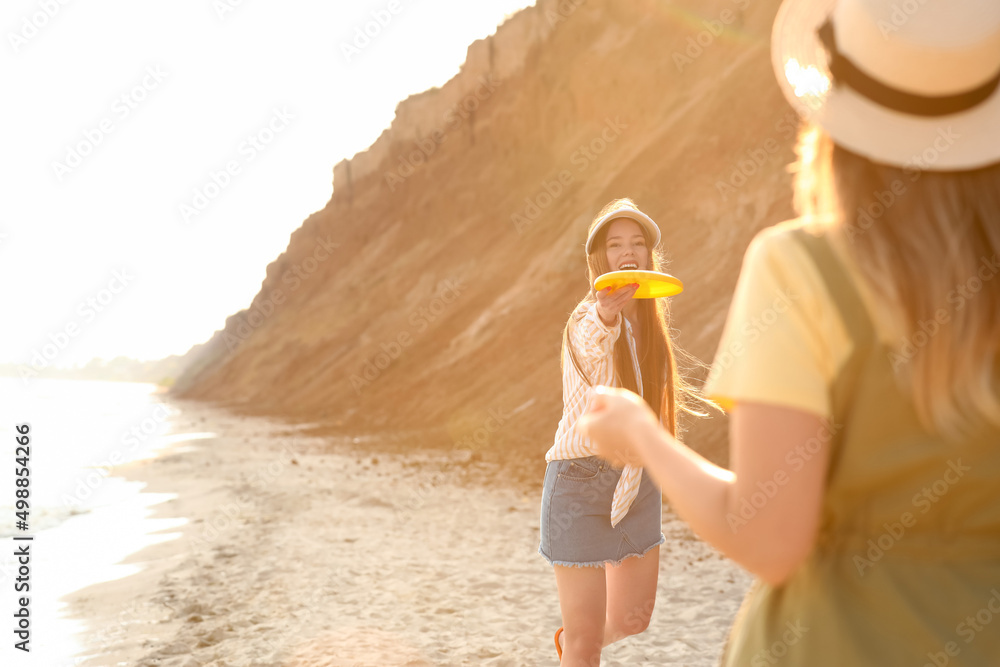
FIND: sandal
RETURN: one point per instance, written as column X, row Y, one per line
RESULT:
column 559, row 649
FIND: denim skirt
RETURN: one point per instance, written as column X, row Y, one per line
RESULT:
column 575, row 523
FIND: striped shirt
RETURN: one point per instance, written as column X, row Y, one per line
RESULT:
column 594, row 343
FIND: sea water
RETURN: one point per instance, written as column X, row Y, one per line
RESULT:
column 83, row 519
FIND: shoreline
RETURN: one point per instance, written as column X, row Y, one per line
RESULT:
column 304, row 551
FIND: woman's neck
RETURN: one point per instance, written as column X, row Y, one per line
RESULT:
column 631, row 311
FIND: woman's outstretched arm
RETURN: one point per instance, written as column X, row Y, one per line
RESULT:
column 764, row 513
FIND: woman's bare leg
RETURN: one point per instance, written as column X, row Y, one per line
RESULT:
column 631, row 593
column 583, row 603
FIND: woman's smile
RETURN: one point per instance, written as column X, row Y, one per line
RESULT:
column 626, row 246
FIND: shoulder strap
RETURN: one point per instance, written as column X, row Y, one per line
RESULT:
column 853, row 314
column 839, row 285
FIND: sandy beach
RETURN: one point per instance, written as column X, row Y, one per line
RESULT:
column 309, row 552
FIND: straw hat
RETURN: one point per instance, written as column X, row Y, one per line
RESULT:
column 901, row 82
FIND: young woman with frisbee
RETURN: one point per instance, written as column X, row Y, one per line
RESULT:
column 865, row 416
column 599, row 524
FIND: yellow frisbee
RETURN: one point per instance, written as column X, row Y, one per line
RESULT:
column 652, row 284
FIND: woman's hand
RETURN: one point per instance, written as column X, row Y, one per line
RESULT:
column 610, row 301
column 613, row 423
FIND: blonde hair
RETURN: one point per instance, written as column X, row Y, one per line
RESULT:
column 927, row 244
column 664, row 390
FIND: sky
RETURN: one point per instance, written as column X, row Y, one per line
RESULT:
column 158, row 155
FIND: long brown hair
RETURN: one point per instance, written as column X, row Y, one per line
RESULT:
column 663, row 387
column 927, row 243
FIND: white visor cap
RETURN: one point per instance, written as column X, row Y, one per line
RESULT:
column 631, row 214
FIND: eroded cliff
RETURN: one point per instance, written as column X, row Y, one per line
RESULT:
column 428, row 297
